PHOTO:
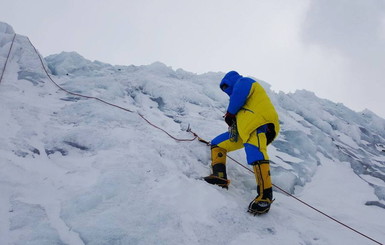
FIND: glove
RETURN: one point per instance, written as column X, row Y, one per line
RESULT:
column 230, row 119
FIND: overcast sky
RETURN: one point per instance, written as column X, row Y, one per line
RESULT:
column 335, row 48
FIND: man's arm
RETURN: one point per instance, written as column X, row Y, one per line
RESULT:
column 239, row 96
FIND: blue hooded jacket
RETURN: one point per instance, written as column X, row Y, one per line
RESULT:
column 238, row 88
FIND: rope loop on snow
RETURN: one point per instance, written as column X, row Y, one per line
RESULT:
column 6, row 60
column 196, row 136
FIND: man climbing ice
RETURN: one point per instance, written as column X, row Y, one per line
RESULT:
column 253, row 124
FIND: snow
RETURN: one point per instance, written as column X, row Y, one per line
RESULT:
column 6, row 28
column 77, row 171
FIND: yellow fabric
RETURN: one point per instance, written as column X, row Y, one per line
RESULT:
column 257, row 111
column 260, row 141
column 230, row 145
column 262, row 176
column 218, row 155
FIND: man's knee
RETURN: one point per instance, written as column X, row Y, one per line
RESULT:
column 223, row 141
column 254, row 154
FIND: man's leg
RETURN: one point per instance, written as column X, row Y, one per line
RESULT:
column 256, row 152
column 219, row 148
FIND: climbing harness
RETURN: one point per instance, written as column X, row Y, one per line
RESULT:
column 196, row 136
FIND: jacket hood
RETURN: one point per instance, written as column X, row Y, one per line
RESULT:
column 228, row 82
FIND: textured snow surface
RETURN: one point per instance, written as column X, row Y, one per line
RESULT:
column 77, row 171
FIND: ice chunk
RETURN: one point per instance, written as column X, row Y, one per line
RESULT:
column 5, row 28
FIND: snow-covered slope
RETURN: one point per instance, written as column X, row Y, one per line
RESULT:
column 77, row 171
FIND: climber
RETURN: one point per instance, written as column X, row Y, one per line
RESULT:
column 253, row 124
